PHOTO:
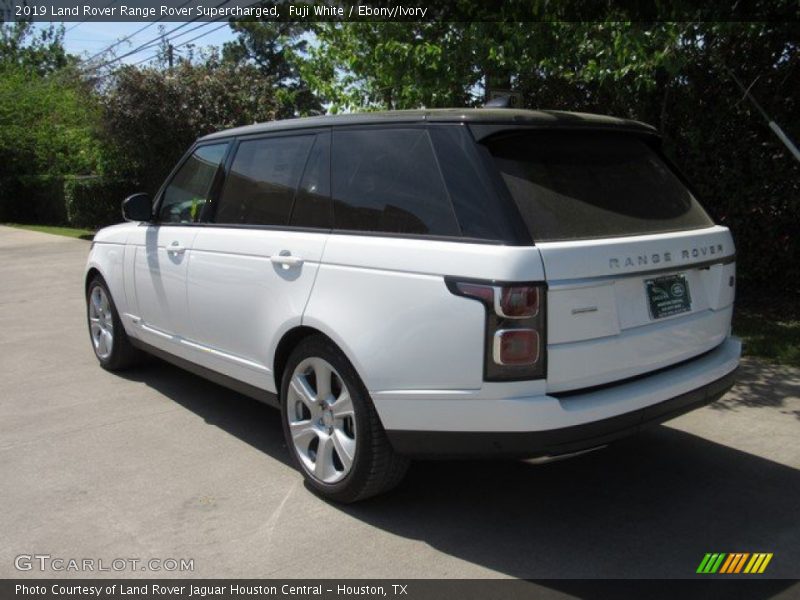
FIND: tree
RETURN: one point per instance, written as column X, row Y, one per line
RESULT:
column 151, row 116
column 674, row 75
column 275, row 49
column 47, row 123
column 39, row 51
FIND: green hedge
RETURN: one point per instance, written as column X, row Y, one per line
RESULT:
column 94, row 202
column 32, row 199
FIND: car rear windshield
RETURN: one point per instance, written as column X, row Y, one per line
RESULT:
column 584, row 185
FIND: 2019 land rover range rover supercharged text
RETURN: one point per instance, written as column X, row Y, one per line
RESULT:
column 427, row 283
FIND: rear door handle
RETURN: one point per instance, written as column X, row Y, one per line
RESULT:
column 176, row 248
column 286, row 260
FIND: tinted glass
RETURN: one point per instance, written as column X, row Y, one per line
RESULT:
column 312, row 205
column 589, row 185
column 260, row 186
column 187, row 193
column 480, row 212
column 387, row 180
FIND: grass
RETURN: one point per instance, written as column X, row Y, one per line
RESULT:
column 83, row 234
column 765, row 337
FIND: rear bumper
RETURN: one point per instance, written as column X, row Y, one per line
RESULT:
column 581, row 421
column 554, row 442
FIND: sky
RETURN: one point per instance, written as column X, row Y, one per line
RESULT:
column 86, row 39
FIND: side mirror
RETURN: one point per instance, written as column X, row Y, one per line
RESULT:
column 137, row 208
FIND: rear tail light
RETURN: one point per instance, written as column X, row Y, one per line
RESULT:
column 516, row 347
column 515, row 327
column 517, row 302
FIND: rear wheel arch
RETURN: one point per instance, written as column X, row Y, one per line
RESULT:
column 284, row 349
column 290, row 340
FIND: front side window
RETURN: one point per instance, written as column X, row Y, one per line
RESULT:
column 260, row 187
column 188, row 192
column 388, row 180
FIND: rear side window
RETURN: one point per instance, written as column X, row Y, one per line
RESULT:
column 388, row 180
column 312, row 205
column 481, row 214
column 260, row 186
column 187, row 193
column 581, row 185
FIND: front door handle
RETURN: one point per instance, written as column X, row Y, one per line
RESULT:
column 176, row 248
column 286, row 260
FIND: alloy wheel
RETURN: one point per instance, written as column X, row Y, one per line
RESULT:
column 321, row 420
column 101, row 323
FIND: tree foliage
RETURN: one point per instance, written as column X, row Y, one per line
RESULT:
column 40, row 52
column 47, row 122
column 276, row 50
column 151, row 116
column 674, row 75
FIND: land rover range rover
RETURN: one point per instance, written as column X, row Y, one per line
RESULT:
column 427, row 283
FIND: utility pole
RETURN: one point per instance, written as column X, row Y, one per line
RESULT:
column 170, row 55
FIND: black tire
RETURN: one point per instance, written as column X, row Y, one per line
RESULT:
column 376, row 468
column 123, row 354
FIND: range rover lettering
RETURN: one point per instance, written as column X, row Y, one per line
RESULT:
column 432, row 283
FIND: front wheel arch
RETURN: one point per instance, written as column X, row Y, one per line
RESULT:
column 91, row 274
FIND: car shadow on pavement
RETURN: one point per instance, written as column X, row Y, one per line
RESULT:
column 648, row 506
column 249, row 420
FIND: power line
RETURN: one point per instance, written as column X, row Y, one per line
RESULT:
column 180, row 35
column 82, row 22
column 127, row 37
column 209, row 32
column 153, row 41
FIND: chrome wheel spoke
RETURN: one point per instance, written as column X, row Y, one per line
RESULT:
column 302, row 391
column 323, row 373
column 96, row 301
column 323, row 464
column 342, row 407
column 102, row 344
column 345, row 448
column 303, row 433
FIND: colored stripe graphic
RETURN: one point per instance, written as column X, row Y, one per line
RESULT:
column 727, row 564
column 733, row 563
column 703, row 563
column 711, row 563
column 764, row 564
column 754, row 563
column 737, row 563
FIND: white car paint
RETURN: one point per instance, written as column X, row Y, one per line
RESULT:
column 224, row 304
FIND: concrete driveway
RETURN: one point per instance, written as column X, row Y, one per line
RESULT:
column 158, row 463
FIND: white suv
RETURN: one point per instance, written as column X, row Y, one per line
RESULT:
column 427, row 283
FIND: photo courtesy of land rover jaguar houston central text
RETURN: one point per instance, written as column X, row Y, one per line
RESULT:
column 431, row 283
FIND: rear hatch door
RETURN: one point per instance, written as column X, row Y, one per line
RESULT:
column 639, row 278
